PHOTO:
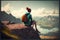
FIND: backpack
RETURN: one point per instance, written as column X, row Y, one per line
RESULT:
column 24, row 18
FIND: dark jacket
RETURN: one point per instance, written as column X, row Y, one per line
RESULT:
column 29, row 21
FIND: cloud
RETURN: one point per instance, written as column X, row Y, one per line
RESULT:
column 6, row 7
column 18, row 13
column 45, row 31
column 40, row 12
column 10, row 9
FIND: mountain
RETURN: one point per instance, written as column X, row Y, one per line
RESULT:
column 9, row 17
column 47, row 21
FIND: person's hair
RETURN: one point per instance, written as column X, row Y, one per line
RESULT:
column 28, row 9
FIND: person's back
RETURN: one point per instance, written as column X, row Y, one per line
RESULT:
column 27, row 18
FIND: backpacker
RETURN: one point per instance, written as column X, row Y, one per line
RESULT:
column 24, row 18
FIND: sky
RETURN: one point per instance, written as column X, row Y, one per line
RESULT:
column 39, row 8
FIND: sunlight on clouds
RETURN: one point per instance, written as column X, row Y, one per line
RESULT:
column 44, row 12
column 40, row 12
column 10, row 9
column 6, row 7
column 18, row 13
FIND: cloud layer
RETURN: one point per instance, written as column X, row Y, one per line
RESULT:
column 40, row 12
column 46, row 31
column 45, row 12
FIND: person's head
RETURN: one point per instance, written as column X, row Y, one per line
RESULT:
column 28, row 9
